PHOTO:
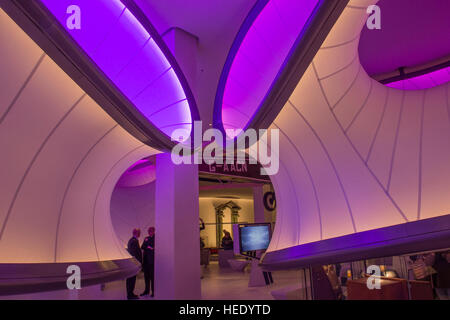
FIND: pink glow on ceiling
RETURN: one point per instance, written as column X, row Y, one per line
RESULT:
column 140, row 173
column 260, row 57
column 424, row 81
column 125, row 51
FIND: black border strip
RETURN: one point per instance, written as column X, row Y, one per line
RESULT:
column 25, row 278
column 43, row 28
column 410, row 237
column 409, row 75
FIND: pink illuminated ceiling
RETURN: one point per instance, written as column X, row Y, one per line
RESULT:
column 140, row 173
column 132, row 59
column 263, row 43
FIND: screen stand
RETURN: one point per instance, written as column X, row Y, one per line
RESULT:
column 258, row 277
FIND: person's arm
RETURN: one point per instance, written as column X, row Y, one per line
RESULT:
column 430, row 259
column 137, row 253
column 202, row 226
column 151, row 244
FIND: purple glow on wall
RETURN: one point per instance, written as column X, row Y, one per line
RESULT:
column 260, row 57
column 125, row 51
column 425, row 81
column 140, row 173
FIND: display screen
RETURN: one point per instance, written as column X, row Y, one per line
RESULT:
column 255, row 237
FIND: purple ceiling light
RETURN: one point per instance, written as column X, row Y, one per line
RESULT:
column 132, row 57
column 423, row 81
column 259, row 52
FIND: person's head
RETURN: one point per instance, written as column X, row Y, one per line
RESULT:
column 226, row 233
column 136, row 232
column 151, row 231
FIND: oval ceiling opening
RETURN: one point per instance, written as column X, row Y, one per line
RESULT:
column 133, row 57
column 258, row 54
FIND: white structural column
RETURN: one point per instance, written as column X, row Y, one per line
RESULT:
column 184, row 46
column 177, row 244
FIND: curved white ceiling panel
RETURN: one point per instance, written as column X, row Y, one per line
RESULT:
column 268, row 35
column 357, row 156
column 62, row 155
column 132, row 55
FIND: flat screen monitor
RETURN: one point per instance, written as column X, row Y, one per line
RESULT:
column 254, row 237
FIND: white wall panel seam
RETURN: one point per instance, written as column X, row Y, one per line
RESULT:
column 26, row 82
column 355, row 58
column 378, row 126
column 329, row 159
column 394, row 148
column 293, row 188
column 345, row 92
column 361, row 108
column 356, row 151
column 100, row 189
column 69, row 184
column 309, row 175
column 341, row 44
column 33, row 160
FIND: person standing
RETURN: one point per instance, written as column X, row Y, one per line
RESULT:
column 135, row 250
column 441, row 264
column 148, row 265
column 227, row 241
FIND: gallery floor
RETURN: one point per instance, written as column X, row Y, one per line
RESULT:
column 217, row 284
column 220, row 284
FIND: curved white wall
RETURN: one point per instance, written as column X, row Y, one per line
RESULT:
column 356, row 155
column 61, row 157
column 132, row 207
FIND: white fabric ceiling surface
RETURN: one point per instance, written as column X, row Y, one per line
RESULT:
column 61, row 157
column 354, row 154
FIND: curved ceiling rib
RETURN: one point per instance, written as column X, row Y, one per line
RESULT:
column 274, row 45
column 128, row 57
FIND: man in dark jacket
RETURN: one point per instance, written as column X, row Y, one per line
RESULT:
column 135, row 250
column 148, row 264
column 227, row 241
column 442, row 266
